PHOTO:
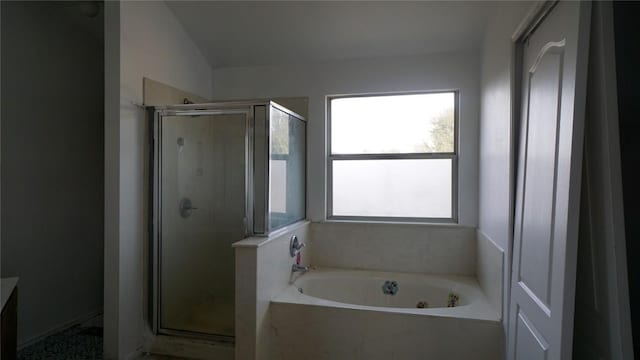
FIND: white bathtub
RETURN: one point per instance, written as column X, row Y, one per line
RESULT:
column 344, row 314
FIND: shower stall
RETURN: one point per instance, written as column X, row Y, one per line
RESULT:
column 219, row 172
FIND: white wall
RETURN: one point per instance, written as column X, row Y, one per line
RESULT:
column 496, row 134
column 0, row 158
column 153, row 44
column 414, row 248
column 263, row 270
column 429, row 72
column 52, row 157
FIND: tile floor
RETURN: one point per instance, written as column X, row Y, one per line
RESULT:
column 76, row 343
column 80, row 342
column 159, row 357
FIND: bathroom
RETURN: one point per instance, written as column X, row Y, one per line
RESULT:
column 171, row 67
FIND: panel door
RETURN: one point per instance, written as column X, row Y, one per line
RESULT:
column 548, row 192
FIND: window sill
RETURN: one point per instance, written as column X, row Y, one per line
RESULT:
column 445, row 224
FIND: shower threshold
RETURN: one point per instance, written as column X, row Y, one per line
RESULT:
column 208, row 320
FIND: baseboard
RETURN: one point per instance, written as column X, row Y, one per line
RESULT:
column 77, row 321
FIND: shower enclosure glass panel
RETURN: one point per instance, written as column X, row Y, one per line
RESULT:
column 203, row 196
column 220, row 172
column 286, row 169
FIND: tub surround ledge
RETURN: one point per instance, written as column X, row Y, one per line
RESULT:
column 258, row 241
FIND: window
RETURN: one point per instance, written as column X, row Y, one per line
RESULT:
column 287, row 184
column 393, row 157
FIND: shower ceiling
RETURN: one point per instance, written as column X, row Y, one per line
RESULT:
column 266, row 33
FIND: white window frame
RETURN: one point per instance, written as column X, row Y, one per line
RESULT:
column 396, row 156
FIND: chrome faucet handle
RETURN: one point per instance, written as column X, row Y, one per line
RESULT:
column 299, row 268
column 295, row 246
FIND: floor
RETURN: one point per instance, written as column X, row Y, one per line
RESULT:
column 76, row 343
column 85, row 342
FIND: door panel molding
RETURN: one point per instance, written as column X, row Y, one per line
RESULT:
column 524, row 328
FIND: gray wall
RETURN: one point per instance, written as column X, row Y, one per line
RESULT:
column 52, row 162
column 143, row 39
column 626, row 32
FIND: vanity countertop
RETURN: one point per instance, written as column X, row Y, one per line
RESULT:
column 7, row 286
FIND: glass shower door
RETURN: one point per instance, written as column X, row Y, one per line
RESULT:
column 203, row 210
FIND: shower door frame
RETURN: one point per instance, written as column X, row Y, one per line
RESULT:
column 257, row 187
column 155, row 200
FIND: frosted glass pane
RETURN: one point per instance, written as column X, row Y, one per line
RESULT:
column 287, row 199
column 278, row 186
column 393, row 188
column 421, row 123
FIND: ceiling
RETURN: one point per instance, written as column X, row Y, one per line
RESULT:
column 244, row 33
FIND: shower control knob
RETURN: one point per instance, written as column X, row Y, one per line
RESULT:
column 186, row 207
column 295, row 246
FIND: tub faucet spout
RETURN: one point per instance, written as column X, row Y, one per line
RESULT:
column 299, row 268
